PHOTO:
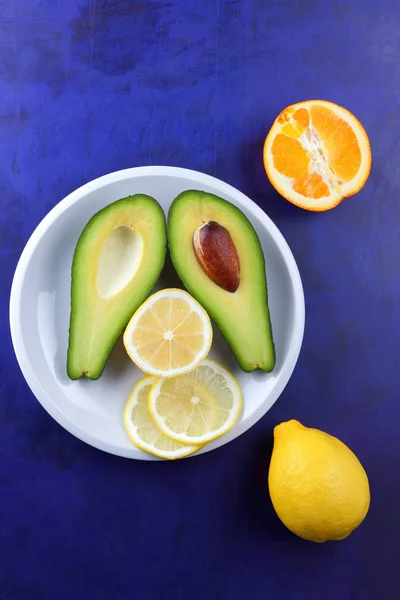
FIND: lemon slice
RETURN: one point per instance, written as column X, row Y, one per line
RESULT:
column 198, row 407
column 142, row 430
column 170, row 334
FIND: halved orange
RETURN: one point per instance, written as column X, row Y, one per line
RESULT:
column 317, row 154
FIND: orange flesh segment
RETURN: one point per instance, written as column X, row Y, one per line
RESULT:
column 302, row 118
column 290, row 158
column 293, row 161
column 300, row 121
column 339, row 141
column 311, row 186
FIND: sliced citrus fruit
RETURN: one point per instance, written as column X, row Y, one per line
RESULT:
column 198, row 407
column 170, row 334
column 316, row 154
column 142, row 430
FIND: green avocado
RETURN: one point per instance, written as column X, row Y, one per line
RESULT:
column 218, row 257
column 116, row 263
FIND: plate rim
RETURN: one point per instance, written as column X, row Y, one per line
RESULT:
column 74, row 197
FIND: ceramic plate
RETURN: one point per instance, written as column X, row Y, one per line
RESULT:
column 40, row 305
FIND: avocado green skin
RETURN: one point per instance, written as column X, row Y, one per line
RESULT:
column 254, row 350
column 84, row 296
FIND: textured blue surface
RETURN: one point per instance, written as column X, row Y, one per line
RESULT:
column 88, row 87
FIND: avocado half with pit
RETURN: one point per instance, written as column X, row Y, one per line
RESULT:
column 218, row 257
column 117, row 261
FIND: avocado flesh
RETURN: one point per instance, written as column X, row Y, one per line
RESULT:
column 117, row 261
column 242, row 316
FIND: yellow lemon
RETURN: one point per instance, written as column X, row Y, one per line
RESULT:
column 318, row 487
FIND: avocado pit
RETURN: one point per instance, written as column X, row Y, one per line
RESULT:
column 217, row 255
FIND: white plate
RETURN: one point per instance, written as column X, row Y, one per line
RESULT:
column 40, row 304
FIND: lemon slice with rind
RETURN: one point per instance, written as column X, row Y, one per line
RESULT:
column 197, row 407
column 169, row 335
column 142, row 429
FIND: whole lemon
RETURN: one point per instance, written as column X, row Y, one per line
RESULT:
column 318, row 487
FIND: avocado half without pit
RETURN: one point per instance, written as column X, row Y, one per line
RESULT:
column 117, row 261
column 218, row 257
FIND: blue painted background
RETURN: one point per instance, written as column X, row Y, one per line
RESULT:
column 89, row 87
